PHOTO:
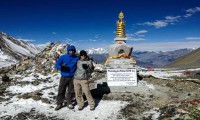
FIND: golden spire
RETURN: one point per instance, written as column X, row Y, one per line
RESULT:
column 120, row 31
column 121, row 15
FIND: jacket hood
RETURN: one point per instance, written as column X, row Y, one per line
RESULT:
column 71, row 47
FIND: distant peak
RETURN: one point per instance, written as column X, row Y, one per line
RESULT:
column 96, row 51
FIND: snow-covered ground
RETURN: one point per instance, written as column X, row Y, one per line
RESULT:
column 6, row 60
column 6, row 63
column 162, row 74
column 106, row 109
column 166, row 73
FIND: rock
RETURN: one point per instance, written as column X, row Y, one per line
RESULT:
column 21, row 116
column 1, row 91
column 24, row 82
column 2, row 100
column 51, row 93
column 45, row 100
column 3, row 87
column 35, row 82
column 6, row 117
column 97, row 75
column 151, row 96
column 37, row 92
column 5, row 78
column 25, row 96
column 35, row 75
column 169, row 85
column 36, row 97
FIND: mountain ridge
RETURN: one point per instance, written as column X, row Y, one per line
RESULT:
column 190, row 60
column 148, row 58
column 13, row 50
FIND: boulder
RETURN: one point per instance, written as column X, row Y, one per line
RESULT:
column 5, row 78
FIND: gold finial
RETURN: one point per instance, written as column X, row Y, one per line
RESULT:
column 120, row 31
column 121, row 15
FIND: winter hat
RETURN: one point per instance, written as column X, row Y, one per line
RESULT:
column 83, row 52
column 71, row 47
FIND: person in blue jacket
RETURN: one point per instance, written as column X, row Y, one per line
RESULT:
column 67, row 66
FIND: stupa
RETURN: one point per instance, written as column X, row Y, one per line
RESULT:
column 120, row 51
column 121, row 75
column 120, row 65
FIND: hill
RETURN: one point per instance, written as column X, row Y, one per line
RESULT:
column 190, row 60
column 158, row 59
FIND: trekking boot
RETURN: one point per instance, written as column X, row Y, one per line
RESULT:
column 92, row 108
column 70, row 106
column 58, row 107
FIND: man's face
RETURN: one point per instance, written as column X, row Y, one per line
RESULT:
column 71, row 52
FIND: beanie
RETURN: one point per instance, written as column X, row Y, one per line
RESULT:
column 83, row 52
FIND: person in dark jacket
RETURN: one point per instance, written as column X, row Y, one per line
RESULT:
column 67, row 65
column 81, row 83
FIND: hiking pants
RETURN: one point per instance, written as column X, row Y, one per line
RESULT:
column 64, row 83
column 80, row 87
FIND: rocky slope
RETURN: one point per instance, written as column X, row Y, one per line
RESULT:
column 190, row 60
column 13, row 50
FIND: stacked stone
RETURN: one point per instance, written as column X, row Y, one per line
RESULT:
column 45, row 61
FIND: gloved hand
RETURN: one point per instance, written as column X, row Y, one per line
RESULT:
column 65, row 68
column 85, row 66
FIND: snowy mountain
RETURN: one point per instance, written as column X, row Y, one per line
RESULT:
column 96, row 51
column 12, row 50
column 143, row 58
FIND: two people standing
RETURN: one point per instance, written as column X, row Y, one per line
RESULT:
column 75, row 73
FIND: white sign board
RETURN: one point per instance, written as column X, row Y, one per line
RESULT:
column 121, row 77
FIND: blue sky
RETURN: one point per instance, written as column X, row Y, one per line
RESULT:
column 150, row 24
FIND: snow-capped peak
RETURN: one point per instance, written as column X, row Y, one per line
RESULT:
column 96, row 51
column 12, row 50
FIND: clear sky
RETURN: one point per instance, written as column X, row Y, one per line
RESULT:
column 150, row 24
